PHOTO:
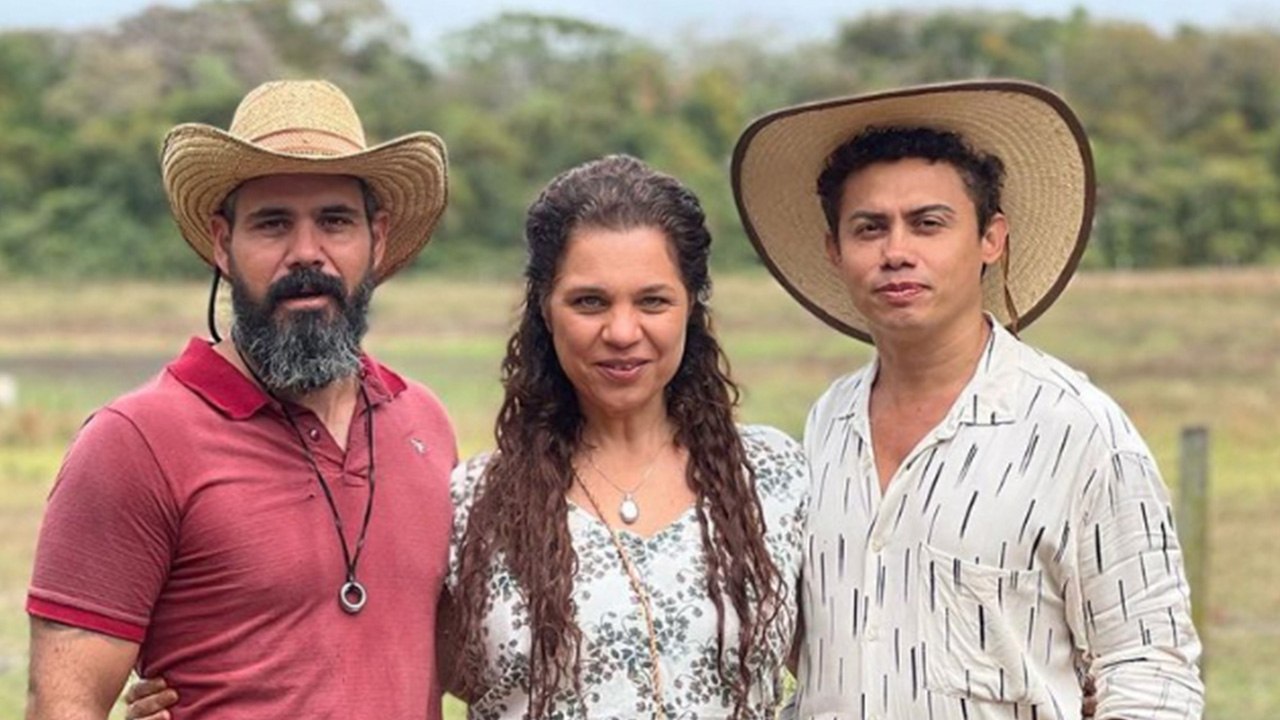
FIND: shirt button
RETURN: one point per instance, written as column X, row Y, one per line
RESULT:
column 877, row 545
column 314, row 434
column 872, row 633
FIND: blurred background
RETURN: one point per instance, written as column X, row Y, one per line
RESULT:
column 1174, row 311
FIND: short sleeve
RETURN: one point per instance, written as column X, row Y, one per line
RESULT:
column 783, row 484
column 782, row 471
column 109, row 532
column 463, row 485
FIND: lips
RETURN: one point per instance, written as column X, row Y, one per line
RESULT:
column 306, row 301
column 622, row 369
column 901, row 292
column 304, row 292
column 307, row 290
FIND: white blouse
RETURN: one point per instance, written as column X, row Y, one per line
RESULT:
column 615, row 659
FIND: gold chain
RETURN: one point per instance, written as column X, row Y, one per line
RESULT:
column 645, row 606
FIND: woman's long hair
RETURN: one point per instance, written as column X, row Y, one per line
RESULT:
column 520, row 513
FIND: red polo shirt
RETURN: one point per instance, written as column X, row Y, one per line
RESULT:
column 186, row 518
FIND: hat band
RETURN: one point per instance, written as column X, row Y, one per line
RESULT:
column 307, row 142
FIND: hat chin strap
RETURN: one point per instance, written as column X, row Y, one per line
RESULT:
column 1008, row 298
column 213, row 301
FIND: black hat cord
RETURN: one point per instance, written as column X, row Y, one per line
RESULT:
column 212, row 318
column 352, row 596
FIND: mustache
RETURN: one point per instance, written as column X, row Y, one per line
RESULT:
column 304, row 282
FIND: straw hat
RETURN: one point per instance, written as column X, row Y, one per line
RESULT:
column 1048, row 194
column 304, row 126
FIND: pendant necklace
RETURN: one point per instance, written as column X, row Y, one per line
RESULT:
column 352, row 596
column 628, row 509
column 643, row 599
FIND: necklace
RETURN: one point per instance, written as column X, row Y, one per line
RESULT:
column 352, row 596
column 628, row 509
column 646, row 607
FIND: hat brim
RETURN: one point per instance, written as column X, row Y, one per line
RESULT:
column 1048, row 194
column 201, row 165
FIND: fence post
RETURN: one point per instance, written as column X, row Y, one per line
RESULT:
column 1193, row 524
column 8, row 391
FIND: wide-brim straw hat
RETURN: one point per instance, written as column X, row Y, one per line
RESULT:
column 1048, row 194
column 305, row 127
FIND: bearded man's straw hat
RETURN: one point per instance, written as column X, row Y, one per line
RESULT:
column 1048, row 194
column 305, row 127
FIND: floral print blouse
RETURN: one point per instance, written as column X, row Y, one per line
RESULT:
column 615, row 660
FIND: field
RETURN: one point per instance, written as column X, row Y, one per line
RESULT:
column 1176, row 349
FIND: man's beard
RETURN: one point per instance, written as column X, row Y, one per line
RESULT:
column 303, row 350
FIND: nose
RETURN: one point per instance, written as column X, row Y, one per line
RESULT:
column 895, row 251
column 622, row 327
column 305, row 245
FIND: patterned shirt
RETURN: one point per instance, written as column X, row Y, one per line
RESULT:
column 615, row 661
column 1026, row 539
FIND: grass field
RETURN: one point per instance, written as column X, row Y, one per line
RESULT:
column 1176, row 349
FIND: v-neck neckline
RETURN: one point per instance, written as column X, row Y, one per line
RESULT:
column 678, row 522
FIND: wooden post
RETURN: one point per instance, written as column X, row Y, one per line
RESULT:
column 8, row 391
column 1193, row 523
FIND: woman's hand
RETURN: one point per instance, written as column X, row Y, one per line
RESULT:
column 148, row 700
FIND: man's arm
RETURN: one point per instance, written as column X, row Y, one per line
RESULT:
column 75, row 674
column 1135, row 603
column 106, row 542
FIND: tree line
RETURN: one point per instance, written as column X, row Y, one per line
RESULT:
column 1185, row 125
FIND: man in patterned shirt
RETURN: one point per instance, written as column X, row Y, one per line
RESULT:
column 987, row 528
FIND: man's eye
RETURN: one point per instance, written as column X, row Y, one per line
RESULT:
column 337, row 221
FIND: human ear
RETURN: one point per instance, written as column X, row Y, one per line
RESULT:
column 832, row 246
column 995, row 239
column 378, row 227
column 220, row 231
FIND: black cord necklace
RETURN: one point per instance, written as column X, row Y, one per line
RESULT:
column 352, row 596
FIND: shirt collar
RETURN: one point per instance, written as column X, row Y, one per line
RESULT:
column 992, row 393
column 206, row 373
column 987, row 399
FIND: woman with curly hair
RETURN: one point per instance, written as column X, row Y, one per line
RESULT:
column 627, row 550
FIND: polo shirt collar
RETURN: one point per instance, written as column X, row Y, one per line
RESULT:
column 206, row 373
column 380, row 381
column 988, row 398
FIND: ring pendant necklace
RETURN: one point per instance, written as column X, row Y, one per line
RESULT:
column 352, row 596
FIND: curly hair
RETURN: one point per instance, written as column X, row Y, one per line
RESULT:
column 520, row 513
column 982, row 173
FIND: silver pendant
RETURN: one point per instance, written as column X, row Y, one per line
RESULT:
column 352, row 597
column 629, row 511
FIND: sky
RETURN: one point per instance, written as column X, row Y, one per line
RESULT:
column 803, row 19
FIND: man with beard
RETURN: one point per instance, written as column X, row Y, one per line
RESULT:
column 265, row 524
